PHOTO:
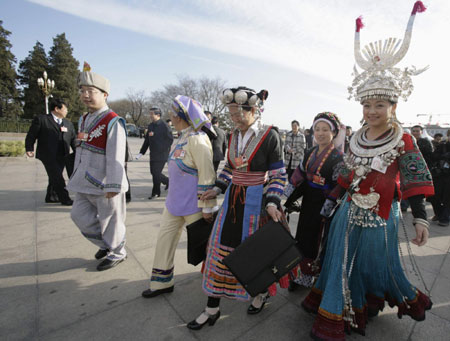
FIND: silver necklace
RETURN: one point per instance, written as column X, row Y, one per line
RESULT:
column 362, row 147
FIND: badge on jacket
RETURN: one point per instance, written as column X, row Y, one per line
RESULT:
column 179, row 154
column 240, row 162
column 64, row 129
column 378, row 164
column 82, row 136
column 150, row 133
column 318, row 180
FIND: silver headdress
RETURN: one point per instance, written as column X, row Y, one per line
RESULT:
column 380, row 79
column 244, row 97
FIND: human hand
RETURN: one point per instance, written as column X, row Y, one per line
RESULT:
column 138, row 156
column 110, row 195
column 209, row 194
column 30, row 154
column 208, row 217
column 421, row 235
column 274, row 213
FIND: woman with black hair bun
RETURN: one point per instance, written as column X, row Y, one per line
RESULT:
column 252, row 180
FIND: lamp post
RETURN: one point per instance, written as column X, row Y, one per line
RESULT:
column 46, row 85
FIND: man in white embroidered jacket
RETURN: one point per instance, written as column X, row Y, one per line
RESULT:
column 99, row 178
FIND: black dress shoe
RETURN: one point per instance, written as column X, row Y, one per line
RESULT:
column 108, row 264
column 149, row 293
column 101, row 253
column 68, row 202
column 51, row 201
column 252, row 310
column 153, row 196
column 211, row 320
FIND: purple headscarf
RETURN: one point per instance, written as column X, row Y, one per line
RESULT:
column 191, row 111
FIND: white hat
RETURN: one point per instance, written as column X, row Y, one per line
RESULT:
column 89, row 78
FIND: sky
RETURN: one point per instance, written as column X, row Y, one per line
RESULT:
column 300, row 51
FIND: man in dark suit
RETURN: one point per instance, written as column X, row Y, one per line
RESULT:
column 219, row 144
column 158, row 139
column 55, row 135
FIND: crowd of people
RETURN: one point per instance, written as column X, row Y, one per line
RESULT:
column 350, row 185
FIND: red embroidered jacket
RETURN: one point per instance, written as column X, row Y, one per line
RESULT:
column 408, row 175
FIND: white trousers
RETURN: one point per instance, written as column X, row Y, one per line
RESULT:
column 102, row 221
column 169, row 234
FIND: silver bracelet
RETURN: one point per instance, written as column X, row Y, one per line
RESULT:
column 271, row 204
column 421, row 221
column 217, row 189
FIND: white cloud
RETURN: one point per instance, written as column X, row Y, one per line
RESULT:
column 314, row 37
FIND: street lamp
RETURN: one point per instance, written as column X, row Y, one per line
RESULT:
column 46, row 85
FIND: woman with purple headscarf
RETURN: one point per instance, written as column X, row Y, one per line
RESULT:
column 191, row 173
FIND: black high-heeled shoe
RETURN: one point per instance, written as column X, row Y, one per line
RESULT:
column 211, row 320
column 253, row 310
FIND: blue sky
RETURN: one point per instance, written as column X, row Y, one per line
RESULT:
column 299, row 50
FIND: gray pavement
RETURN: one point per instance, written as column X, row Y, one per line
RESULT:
column 50, row 289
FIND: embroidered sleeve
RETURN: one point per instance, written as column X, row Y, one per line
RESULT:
column 276, row 170
column 337, row 190
column 345, row 177
column 224, row 178
column 277, row 181
column 200, row 151
column 115, row 157
column 415, row 178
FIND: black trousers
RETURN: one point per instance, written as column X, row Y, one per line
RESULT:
column 216, row 165
column 156, row 168
column 56, row 181
column 441, row 199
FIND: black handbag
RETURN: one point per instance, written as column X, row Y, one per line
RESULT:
column 197, row 236
column 264, row 257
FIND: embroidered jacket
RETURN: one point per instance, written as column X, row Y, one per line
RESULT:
column 191, row 173
column 408, row 176
column 100, row 158
column 263, row 153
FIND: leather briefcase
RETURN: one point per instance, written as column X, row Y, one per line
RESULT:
column 197, row 239
column 264, row 257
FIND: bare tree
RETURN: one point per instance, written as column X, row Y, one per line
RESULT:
column 121, row 107
column 205, row 90
column 134, row 108
column 139, row 105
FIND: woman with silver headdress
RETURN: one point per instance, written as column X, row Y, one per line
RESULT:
column 253, row 180
column 362, row 267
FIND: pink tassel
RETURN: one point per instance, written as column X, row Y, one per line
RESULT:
column 359, row 23
column 418, row 7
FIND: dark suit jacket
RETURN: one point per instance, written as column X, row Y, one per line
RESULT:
column 159, row 138
column 48, row 133
column 219, row 145
column 426, row 148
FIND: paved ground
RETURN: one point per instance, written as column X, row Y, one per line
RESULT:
column 50, row 289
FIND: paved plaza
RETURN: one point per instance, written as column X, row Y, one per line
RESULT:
column 50, row 289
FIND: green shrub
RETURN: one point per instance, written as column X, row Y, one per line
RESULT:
column 12, row 148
